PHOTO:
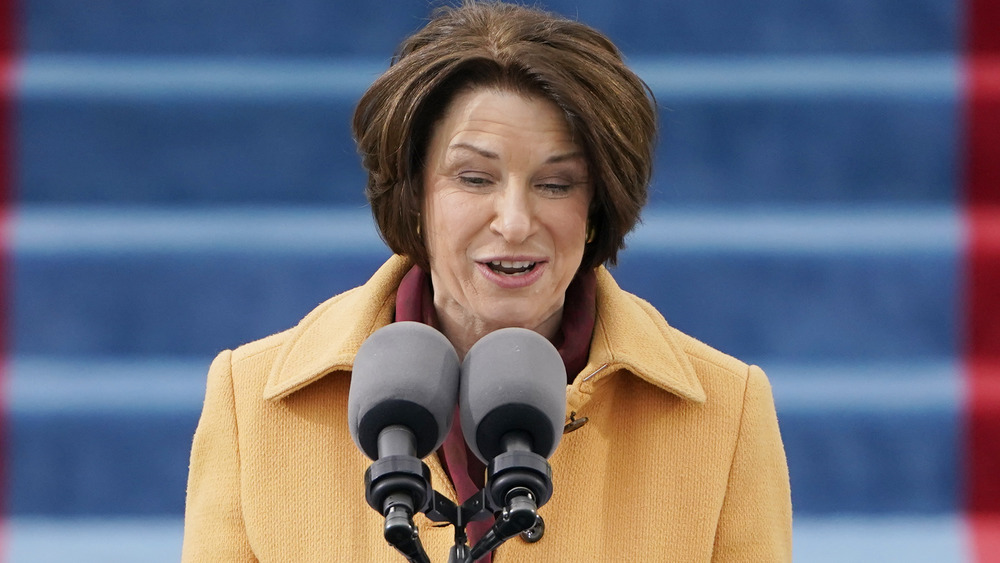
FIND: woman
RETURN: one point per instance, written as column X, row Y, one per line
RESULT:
column 509, row 153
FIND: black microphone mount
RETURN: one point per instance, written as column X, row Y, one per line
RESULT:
column 398, row 485
column 518, row 483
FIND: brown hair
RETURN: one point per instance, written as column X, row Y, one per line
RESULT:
column 609, row 109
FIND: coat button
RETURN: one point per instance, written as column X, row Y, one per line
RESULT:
column 574, row 423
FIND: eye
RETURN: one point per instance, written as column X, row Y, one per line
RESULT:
column 556, row 187
column 561, row 179
column 474, row 180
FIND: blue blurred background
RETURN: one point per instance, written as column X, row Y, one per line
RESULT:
column 185, row 181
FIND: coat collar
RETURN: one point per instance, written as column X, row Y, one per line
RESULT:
column 329, row 337
column 629, row 335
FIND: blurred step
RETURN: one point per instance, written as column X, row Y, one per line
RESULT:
column 100, row 437
column 140, row 282
column 314, row 27
column 155, row 131
column 802, row 284
column 734, row 129
column 111, row 437
column 872, row 438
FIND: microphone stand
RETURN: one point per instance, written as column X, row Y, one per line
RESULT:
column 518, row 482
column 397, row 485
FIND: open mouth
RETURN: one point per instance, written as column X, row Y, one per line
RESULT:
column 511, row 268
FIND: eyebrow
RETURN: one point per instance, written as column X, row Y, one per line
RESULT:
column 494, row 156
column 481, row 152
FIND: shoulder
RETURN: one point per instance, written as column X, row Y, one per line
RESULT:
column 323, row 342
column 259, row 351
column 710, row 362
column 251, row 363
column 635, row 327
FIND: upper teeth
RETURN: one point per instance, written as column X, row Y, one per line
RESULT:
column 506, row 264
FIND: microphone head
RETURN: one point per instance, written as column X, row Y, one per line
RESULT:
column 513, row 379
column 405, row 373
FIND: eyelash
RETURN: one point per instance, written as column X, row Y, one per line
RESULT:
column 474, row 181
column 556, row 188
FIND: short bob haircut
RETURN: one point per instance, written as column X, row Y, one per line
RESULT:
column 487, row 44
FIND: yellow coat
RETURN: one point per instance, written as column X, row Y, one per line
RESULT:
column 681, row 459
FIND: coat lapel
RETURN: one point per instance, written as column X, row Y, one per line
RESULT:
column 329, row 337
column 631, row 335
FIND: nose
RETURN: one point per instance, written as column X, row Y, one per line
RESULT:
column 513, row 219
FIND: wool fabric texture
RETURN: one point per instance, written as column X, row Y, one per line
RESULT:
column 681, row 459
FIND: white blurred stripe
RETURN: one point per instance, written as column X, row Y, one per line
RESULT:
column 131, row 78
column 56, row 229
column 867, row 386
column 779, row 77
column 881, row 539
column 42, row 76
column 869, row 539
column 94, row 540
column 42, row 385
column 802, row 230
column 118, row 229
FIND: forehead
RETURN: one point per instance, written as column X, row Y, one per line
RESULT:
column 496, row 115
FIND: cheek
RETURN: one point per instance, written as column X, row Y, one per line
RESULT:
column 571, row 225
column 454, row 212
column 452, row 224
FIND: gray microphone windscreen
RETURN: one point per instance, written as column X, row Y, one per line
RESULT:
column 405, row 373
column 513, row 379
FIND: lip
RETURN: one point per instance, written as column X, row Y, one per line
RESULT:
column 512, row 282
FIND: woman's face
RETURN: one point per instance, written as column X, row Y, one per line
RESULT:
column 506, row 197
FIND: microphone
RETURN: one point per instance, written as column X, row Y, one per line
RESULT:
column 400, row 408
column 405, row 374
column 513, row 381
column 512, row 403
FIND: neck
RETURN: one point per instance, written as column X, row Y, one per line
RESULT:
column 463, row 331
